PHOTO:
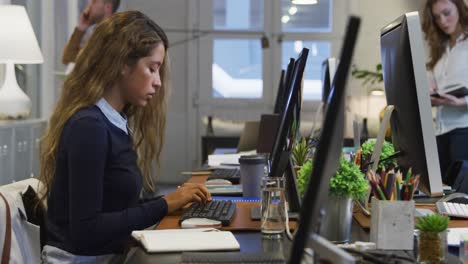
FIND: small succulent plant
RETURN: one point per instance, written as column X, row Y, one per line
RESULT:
column 431, row 246
column 432, row 223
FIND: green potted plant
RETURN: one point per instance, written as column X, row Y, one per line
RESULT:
column 347, row 185
column 301, row 152
column 303, row 176
column 348, row 182
column 368, row 76
column 387, row 150
column 432, row 238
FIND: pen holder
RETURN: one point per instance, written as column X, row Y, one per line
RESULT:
column 392, row 224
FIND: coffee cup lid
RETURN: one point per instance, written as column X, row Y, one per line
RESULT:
column 252, row 159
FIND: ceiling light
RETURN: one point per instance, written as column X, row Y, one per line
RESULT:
column 377, row 92
column 304, row 2
column 298, row 46
column 285, row 19
column 314, row 49
column 292, row 10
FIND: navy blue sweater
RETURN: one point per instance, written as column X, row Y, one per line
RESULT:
column 94, row 205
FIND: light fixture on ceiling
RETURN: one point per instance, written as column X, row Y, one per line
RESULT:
column 376, row 92
column 285, row 19
column 292, row 10
column 304, row 2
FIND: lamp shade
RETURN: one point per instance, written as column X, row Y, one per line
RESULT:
column 18, row 43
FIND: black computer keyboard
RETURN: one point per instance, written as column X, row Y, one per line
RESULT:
column 232, row 175
column 222, row 211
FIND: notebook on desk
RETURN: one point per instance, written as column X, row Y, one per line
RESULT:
column 178, row 240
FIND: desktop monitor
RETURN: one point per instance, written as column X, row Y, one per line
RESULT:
column 407, row 89
column 326, row 163
column 269, row 123
column 284, row 88
column 292, row 191
column 279, row 94
column 328, row 72
column 280, row 154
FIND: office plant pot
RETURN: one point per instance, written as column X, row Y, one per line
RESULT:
column 336, row 225
column 432, row 247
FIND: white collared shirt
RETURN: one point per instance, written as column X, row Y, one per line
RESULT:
column 112, row 115
column 452, row 68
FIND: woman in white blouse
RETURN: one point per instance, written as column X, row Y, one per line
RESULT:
column 445, row 25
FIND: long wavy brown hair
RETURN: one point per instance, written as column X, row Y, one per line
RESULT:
column 436, row 38
column 119, row 40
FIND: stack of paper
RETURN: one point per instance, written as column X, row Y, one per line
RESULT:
column 216, row 160
column 223, row 159
column 177, row 240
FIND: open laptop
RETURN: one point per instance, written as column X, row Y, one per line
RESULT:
column 325, row 164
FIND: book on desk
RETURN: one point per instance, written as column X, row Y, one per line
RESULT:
column 178, row 240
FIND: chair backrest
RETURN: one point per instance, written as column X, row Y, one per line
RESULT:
column 249, row 136
column 6, row 248
column 267, row 133
column 19, row 239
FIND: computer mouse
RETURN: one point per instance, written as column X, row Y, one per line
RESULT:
column 218, row 182
column 200, row 223
column 455, row 198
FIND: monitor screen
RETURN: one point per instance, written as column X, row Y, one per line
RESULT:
column 328, row 152
column 406, row 88
column 279, row 94
column 279, row 156
column 326, row 81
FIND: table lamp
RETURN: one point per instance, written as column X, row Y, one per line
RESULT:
column 18, row 45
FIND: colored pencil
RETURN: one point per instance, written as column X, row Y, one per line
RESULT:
column 408, row 176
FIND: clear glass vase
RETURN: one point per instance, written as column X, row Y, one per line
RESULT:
column 432, row 247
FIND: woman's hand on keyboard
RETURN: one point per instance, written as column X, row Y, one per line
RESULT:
column 187, row 193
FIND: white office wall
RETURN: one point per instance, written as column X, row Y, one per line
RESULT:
column 177, row 151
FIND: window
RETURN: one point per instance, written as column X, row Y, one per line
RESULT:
column 296, row 22
column 306, row 18
column 234, row 67
column 318, row 52
column 237, row 68
column 238, row 14
column 237, row 62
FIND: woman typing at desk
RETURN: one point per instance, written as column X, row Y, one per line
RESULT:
column 103, row 136
column 445, row 25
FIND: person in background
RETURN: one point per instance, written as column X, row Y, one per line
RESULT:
column 95, row 12
column 445, row 25
column 105, row 132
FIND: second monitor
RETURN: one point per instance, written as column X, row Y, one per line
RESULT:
column 407, row 89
